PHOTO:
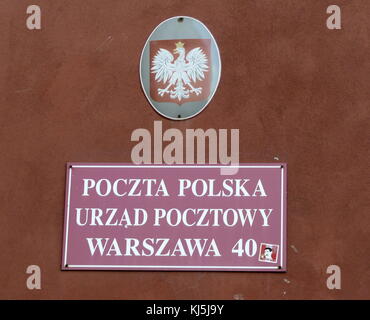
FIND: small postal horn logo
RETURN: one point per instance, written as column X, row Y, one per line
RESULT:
column 180, row 68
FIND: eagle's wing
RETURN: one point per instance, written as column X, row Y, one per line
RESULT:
column 197, row 64
column 162, row 65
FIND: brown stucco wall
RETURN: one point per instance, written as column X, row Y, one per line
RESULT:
column 296, row 91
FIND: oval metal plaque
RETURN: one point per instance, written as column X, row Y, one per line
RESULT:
column 180, row 68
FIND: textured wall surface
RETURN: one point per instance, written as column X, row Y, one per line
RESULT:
column 296, row 91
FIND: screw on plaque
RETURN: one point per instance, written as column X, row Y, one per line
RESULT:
column 181, row 19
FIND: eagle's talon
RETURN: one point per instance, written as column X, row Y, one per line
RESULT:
column 161, row 92
column 197, row 91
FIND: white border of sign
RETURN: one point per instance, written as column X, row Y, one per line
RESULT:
column 161, row 267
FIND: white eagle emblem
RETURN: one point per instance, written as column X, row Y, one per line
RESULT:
column 181, row 74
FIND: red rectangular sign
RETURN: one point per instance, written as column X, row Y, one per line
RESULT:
column 178, row 217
